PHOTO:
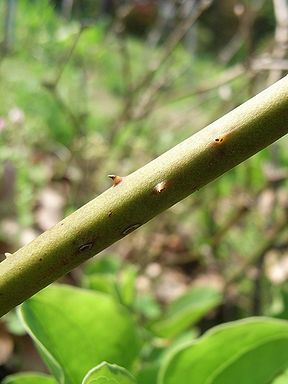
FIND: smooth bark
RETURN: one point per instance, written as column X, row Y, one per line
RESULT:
column 137, row 198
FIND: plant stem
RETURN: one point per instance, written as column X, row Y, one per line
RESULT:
column 145, row 193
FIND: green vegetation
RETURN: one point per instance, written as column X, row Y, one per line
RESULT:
column 148, row 309
column 76, row 329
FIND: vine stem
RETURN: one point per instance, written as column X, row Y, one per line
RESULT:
column 143, row 194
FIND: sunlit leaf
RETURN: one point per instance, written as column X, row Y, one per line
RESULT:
column 29, row 378
column 76, row 329
column 251, row 351
column 187, row 310
column 106, row 373
column 281, row 379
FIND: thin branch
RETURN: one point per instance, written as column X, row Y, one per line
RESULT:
column 268, row 64
column 120, row 31
column 228, row 76
column 172, row 42
column 267, row 243
column 147, row 102
column 168, row 48
column 52, row 86
column 145, row 193
column 67, row 57
column 73, row 118
column 244, row 208
column 9, row 26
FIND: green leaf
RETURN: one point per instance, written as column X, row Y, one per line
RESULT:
column 106, row 373
column 148, row 373
column 76, row 329
column 29, row 378
column 127, row 285
column 111, row 276
column 104, row 265
column 13, row 324
column 155, row 354
column 105, row 283
column 282, row 379
column 146, row 305
column 251, row 351
column 282, row 312
column 186, row 311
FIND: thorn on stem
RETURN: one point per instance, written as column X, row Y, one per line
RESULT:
column 116, row 179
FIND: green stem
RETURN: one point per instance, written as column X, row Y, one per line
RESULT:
column 140, row 196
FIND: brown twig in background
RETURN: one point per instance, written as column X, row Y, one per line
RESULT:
column 6, row 44
column 9, row 26
column 243, row 36
column 52, row 86
column 256, row 65
column 230, row 223
column 172, row 42
column 67, row 57
column 73, row 118
column 147, row 103
column 281, row 38
column 236, row 41
column 269, row 64
column 169, row 46
column 228, row 76
column 268, row 242
column 259, row 258
column 245, row 207
column 120, row 31
column 273, row 181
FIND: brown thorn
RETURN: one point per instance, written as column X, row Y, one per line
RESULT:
column 116, row 179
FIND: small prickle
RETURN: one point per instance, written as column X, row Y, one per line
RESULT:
column 116, row 179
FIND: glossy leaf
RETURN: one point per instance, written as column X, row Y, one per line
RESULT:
column 127, row 285
column 103, row 265
column 13, row 324
column 105, row 283
column 281, row 379
column 186, row 311
column 148, row 374
column 149, row 371
column 146, row 305
column 106, row 373
column 251, row 351
column 29, row 378
column 76, row 329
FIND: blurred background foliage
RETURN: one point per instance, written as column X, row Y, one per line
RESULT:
column 89, row 88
